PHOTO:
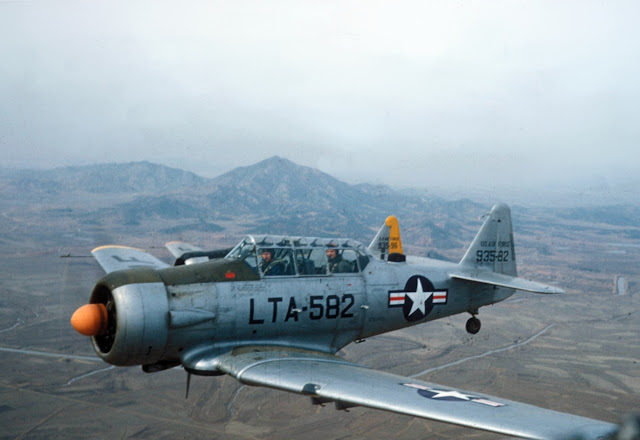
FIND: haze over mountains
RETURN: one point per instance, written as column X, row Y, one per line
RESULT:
column 111, row 178
column 273, row 196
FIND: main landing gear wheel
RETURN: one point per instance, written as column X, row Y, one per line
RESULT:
column 473, row 325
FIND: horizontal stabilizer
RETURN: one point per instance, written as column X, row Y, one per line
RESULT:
column 500, row 280
column 179, row 248
column 186, row 253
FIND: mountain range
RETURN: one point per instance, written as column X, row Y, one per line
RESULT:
column 272, row 196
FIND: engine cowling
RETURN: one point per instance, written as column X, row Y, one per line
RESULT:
column 137, row 324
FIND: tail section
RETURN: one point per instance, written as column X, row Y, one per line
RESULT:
column 387, row 241
column 493, row 249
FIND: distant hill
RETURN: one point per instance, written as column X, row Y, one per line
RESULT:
column 297, row 198
column 111, row 178
column 300, row 200
column 279, row 186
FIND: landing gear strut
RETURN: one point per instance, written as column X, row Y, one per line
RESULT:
column 473, row 325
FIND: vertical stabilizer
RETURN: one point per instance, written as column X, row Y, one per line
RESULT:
column 387, row 240
column 493, row 248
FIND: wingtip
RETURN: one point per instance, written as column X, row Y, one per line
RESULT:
column 556, row 290
column 112, row 246
column 501, row 207
column 547, row 289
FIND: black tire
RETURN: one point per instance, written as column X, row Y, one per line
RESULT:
column 473, row 325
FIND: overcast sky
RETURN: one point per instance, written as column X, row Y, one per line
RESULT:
column 480, row 93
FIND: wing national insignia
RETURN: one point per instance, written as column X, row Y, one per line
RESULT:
column 450, row 395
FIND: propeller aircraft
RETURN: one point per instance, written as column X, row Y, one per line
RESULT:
column 274, row 310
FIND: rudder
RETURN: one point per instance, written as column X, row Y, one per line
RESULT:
column 493, row 248
column 387, row 241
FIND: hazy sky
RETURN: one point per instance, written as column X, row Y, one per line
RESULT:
column 443, row 92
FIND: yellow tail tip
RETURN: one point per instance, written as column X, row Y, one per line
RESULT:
column 395, row 242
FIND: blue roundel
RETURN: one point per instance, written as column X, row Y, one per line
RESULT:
column 418, row 301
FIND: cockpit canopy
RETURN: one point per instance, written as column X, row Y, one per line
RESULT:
column 277, row 255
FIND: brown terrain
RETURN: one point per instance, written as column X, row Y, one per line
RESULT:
column 576, row 353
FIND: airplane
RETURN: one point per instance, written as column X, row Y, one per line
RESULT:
column 274, row 310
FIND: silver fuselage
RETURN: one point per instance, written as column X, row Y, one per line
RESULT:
column 166, row 315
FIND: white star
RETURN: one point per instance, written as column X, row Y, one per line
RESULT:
column 456, row 394
column 419, row 298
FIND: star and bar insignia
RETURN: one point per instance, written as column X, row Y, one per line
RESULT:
column 417, row 298
column 451, row 395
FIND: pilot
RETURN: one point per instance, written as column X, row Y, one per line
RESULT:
column 269, row 265
column 335, row 261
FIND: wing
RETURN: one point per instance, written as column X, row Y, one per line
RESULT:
column 112, row 258
column 179, row 248
column 328, row 378
column 501, row 280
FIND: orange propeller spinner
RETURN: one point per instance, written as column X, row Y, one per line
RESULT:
column 90, row 319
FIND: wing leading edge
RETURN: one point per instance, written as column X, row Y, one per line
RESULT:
column 330, row 378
